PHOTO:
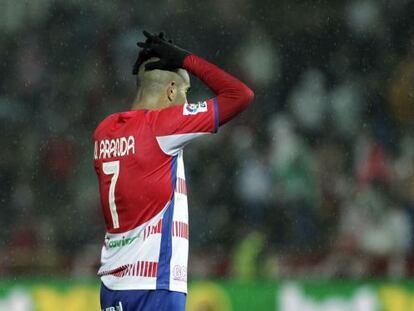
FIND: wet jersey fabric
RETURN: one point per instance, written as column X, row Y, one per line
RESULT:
column 141, row 300
column 138, row 157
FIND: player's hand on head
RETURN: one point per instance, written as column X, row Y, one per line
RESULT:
column 170, row 56
column 146, row 54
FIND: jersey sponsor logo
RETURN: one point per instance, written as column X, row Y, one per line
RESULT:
column 121, row 242
column 117, row 147
column 191, row 109
column 180, row 273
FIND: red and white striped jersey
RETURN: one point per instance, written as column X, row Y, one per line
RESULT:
column 138, row 157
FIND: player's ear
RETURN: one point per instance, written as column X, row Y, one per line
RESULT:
column 172, row 91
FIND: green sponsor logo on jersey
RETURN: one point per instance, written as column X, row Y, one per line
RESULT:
column 121, row 242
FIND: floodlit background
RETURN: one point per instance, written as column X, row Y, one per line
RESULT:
column 304, row 202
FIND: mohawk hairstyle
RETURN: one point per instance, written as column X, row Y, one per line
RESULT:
column 143, row 56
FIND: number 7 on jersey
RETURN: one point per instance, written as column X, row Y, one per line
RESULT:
column 112, row 168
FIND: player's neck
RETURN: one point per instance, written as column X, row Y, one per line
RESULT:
column 149, row 101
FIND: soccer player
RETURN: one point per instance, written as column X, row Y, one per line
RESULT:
column 138, row 157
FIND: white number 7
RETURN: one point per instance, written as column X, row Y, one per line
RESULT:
column 112, row 168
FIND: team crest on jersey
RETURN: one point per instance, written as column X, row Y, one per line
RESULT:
column 191, row 109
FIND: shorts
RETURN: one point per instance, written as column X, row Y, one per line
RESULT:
column 141, row 300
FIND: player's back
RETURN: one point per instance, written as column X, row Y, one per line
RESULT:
column 139, row 162
column 138, row 158
column 132, row 171
column 144, row 202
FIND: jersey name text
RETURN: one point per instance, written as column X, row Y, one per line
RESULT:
column 117, row 147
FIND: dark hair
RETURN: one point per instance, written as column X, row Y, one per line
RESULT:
column 143, row 56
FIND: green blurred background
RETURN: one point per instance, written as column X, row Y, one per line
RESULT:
column 304, row 202
column 327, row 295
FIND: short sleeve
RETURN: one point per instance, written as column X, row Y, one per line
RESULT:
column 177, row 125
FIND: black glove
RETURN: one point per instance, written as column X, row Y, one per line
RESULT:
column 146, row 54
column 171, row 56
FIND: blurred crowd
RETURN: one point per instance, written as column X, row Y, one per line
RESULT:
column 316, row 178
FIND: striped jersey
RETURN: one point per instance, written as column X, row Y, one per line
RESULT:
column 138, row 158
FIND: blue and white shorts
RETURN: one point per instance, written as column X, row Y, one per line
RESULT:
column 141, row 300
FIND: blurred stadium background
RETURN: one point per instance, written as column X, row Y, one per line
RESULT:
column 305, row 202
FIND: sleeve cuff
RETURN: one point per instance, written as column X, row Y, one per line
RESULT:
column 216, row 115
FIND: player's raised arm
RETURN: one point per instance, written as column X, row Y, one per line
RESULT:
column 233, row 96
